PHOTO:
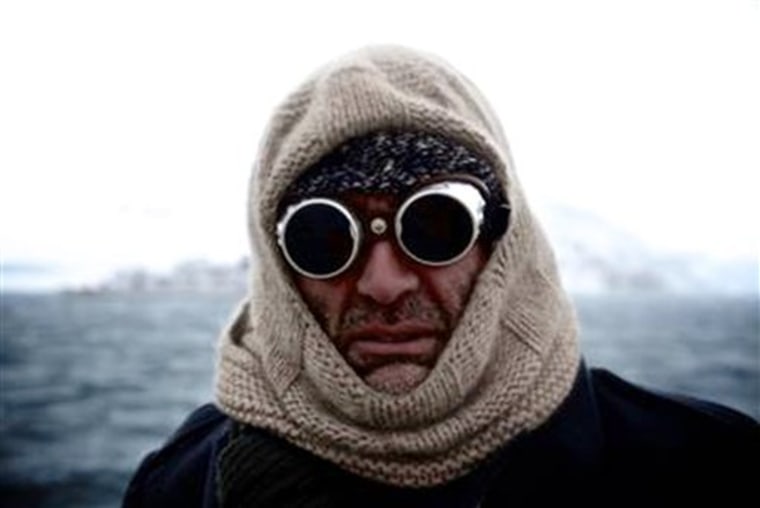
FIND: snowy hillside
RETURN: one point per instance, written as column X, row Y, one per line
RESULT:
column 595, row 256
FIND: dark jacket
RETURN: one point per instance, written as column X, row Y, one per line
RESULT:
column 609, row 444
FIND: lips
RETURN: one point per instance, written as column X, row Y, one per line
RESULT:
column 374, row 346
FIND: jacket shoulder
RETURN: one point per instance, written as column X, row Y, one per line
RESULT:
column 630, row 411
column 181, row 472
column 686, row 447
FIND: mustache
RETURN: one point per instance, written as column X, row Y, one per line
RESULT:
column 366, row 313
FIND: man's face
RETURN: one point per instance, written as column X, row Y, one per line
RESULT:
column 389, row 316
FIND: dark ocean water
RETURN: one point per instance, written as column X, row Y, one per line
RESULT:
column 90, row 383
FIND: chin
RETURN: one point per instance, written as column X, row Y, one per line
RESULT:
column 397, row 378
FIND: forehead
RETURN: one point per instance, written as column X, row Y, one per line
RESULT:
column 370, row 202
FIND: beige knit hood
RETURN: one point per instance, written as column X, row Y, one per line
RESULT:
column 509, row 363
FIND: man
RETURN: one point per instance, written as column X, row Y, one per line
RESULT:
column 407, row 339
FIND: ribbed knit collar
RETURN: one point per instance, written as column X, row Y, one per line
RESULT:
column 258, row 469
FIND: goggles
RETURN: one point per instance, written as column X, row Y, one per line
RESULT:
column 436, row 226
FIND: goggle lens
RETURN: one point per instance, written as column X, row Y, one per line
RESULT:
column 319, row 240
column 436, row 229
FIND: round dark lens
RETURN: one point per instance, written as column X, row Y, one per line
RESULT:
column 318, row 239
column 436, row 228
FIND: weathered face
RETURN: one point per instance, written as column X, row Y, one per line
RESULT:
column 389, row 316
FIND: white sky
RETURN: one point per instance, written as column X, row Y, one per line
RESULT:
column 128, row 128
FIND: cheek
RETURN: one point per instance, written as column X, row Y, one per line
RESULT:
column 325, row 299
column 452, row 285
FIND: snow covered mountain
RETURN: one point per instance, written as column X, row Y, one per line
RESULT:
column 595, row 256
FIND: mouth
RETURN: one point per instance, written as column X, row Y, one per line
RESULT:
column 372, row 347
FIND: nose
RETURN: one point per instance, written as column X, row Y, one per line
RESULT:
column 384, row 277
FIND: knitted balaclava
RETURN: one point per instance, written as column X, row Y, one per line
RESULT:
column 511, row 359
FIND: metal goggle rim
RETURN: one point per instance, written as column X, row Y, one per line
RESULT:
column 467, row 194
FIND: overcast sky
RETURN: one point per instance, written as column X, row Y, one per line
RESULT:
column 129, row 128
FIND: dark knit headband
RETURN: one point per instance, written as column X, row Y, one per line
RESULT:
column 387, row 162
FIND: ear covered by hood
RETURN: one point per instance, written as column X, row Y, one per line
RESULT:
column 513, row 356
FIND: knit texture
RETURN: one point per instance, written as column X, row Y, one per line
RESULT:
column 510, row 361
column 259, row 470
column 389, row 163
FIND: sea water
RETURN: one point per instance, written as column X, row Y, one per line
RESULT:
column 89, row 383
